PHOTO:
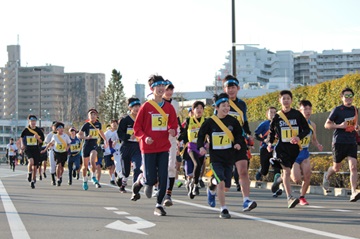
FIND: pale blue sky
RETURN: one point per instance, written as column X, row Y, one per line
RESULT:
column 185, row 41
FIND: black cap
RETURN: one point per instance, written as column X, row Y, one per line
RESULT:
column 59, row 124
column 32, row 117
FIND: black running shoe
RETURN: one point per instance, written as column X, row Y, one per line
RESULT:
column 122, row 189
column 119, row 181
column 32, row 185
column 29, row 177
column 159, row 211
column 225, row 214
column 74, row 173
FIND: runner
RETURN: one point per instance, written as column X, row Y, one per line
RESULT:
column 172, row 172
column 344, row 120
column 225, row 141
column 74, row 157
column 11, row 151
column 43, row 158
column 130, row 149
column 192, row 126
column 90, row 132
column 61, row 143
column 154, row 123
column 238, row 109
column 302, row 162
column 261, row 134
column 31, row 138
column 108, row 154
column 51, row 154
column 291, row 127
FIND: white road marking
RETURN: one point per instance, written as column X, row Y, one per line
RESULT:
column 276, row 223
column 121, row 213
column 340, row 210
column 17, row 227
column 111, row 208
column 315, row 206
column 134, row 227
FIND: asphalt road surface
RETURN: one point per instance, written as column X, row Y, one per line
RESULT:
column 69, row 212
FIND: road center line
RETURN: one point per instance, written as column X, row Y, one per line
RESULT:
column 276, row 223
column 17, row 227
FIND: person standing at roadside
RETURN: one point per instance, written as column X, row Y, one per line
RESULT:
column 343, row 120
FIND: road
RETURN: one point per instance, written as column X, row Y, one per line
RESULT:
column 69, row 212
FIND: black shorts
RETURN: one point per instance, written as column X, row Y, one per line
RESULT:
column 341, row 151
column 108, row 161
column 178, row 159
column 34, row 153
column 60, row 158
column 287, row 153
column 241, row 154
column 43, row 157
column 222, row 172
column 87, row 148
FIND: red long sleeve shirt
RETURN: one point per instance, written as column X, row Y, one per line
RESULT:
column 150, row 123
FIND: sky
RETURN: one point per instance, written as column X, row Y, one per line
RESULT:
column 184, row 41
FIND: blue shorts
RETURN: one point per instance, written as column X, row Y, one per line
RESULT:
column 222, row 172
column 304, row 154
column 99, row 162
column 189, row 167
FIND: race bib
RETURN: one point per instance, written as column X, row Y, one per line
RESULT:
column 194, row 135
column 158, row 123
column 94, row 133
column 305, row 142
column 287, row 133
column 236, row 115
column 60, row 148
column 31, row 141
column 74, row 148
column 220, row 141
column 130, row 131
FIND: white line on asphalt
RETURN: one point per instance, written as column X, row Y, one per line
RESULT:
column 340, row 210
column 17, row 227
column 280, row 224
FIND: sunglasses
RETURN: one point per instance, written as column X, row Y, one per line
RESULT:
column 348, row 95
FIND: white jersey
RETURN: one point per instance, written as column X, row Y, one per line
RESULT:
column 11, row 149
column 59, row 147
column 113, row 136
column 48, row 139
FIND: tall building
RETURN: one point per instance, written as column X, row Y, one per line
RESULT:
column 259, row 65
column 140, row 92
column 58, row 95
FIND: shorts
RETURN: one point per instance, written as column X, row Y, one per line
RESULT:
column 108, row 161
column 43, row 157
column 60, row 158
column 178, row 159
column 222, row 172
column 341, row 151
column 287, row 153
column 304, row 154
column 87, row 148
column 241, row 154
column 99, row 161
column 33, row 153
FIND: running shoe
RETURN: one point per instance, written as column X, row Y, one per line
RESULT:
column 32, row 185
column 122, row 189
column 53, row 183
column 94, row 180
column 112, row 182
column 292, row 202
column 278, row 193
column 119, row 181
column 167, row 202
column 210, row 198
column 44, row 175
column 148, row 191
column 85, row 186
column 159, row 211
column 179, row 184
column 98, row 185
column 69, row 182
column 60, row 179
column 303, row 202
column 40, row 177
column 258, row 176
column 354, row 197
column 74, row 173
column 326, row 183
column 77, row 175
column 191, row 189
column 276, row 183
column 135, row 197
column 249, row 205
column 58, row 183
column 201, row 183
column 196, row 191
column 225, row 214
column 238, row 187
column 29, row 177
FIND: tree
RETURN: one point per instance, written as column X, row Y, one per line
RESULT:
column 112, row 102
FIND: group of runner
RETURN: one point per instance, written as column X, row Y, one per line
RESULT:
column 148, row 140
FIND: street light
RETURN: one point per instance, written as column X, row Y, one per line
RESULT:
column 39, row 70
